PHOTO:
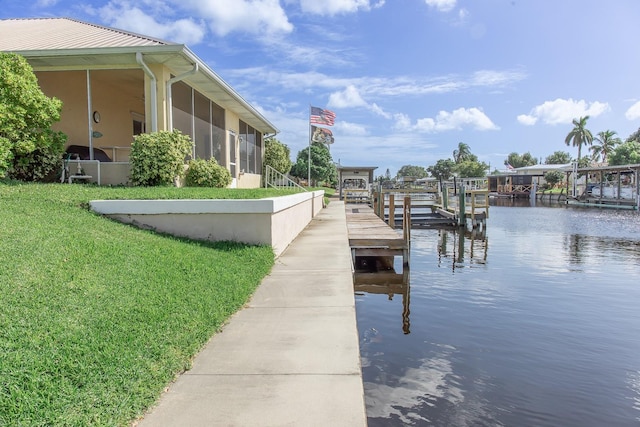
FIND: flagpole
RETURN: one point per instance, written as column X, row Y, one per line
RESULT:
column 309, row 173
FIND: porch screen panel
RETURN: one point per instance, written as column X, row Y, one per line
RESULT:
column 251, row 150
column 219, row 145
column 243, row 146
column 181, row 99
column 202, row 129
column 258, row 153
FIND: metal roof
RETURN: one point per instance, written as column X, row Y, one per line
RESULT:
column 65, row 33
column 55, row 44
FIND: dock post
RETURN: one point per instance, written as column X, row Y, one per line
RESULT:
column 376, row 200
column 392, row 210
column 406, row 230
column 462, row 219
column 445, row 198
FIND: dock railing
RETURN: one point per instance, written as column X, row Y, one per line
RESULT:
column 275, row 179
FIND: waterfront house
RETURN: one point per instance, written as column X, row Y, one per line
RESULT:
column 115, row 84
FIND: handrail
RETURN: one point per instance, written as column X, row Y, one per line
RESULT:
column 275, row 179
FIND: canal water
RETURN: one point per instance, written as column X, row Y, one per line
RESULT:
column 534, row 323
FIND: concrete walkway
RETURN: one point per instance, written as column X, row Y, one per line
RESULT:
column 291, row 357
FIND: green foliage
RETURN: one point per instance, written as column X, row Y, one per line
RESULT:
column 207, row 173
column 322, row 167
column 462, row 153
column 471, row 169
column 558, row 158
column 521, row 160
column 605, row 142
column 158, row 158
column 26, row 116
column 41, row 165
column 626, row 153
column 410, row 170
column 579, row 135
column 277, row 155
column 634, row 136
column 443, row 169
column 553, row 177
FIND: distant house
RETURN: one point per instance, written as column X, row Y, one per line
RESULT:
column 520, row 181
column 115, row 84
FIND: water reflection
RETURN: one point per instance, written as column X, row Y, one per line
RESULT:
column 471, row 243
column 386, row 282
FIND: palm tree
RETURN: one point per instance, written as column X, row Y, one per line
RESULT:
column 606, row 142
column 579, row 135
column 461, row 153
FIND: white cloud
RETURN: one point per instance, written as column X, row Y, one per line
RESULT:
column 350, row 97
column 334, row 7
column 46, row 3
column 347, row 128
column 563, row 111
column 121, row 14
column 441, row 5
column 527, row 120
column 633, row 113
column 445, row 121
column 248, row 16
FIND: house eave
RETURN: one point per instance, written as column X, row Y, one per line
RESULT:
column 177, row 58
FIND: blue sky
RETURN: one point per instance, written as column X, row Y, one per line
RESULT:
column 407, row 79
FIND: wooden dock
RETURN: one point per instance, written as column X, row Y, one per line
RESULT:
column 370, row 236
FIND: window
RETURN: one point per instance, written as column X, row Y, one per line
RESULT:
column 138, row 123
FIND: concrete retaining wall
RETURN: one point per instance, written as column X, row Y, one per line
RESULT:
column 273, row 221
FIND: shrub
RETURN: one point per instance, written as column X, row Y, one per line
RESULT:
column 207, row 173
column 41, row 165
column 26, row 116
column 158, row 158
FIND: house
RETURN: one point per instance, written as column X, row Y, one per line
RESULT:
column 519, row 182
column 115, row 84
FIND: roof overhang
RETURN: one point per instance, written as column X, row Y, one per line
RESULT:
column 177, row 58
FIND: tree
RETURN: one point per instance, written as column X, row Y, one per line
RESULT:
column 322, row 167
column 443, row 169
column 277, row 155
column 410, row 170
column 461, row 153
column 625, row 154
column 579, row 135
column 634, row 136
column 519, row 161
column 606, row 142
column 553, row 177
column 471, row 169
column 26, row 116
column 558, row 158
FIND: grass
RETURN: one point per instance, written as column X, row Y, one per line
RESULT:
column 97, row 317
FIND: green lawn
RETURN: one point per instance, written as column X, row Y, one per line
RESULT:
column 97, row 317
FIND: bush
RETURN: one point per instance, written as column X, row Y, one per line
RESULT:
column 207, row 173
column 41, row 165
column 26, row 116
column 158, row 158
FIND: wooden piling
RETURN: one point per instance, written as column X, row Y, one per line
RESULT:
column 392, row 211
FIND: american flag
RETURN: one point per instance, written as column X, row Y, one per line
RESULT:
column 322, row 117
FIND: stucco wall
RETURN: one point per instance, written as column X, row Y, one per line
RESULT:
column 273, row 221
